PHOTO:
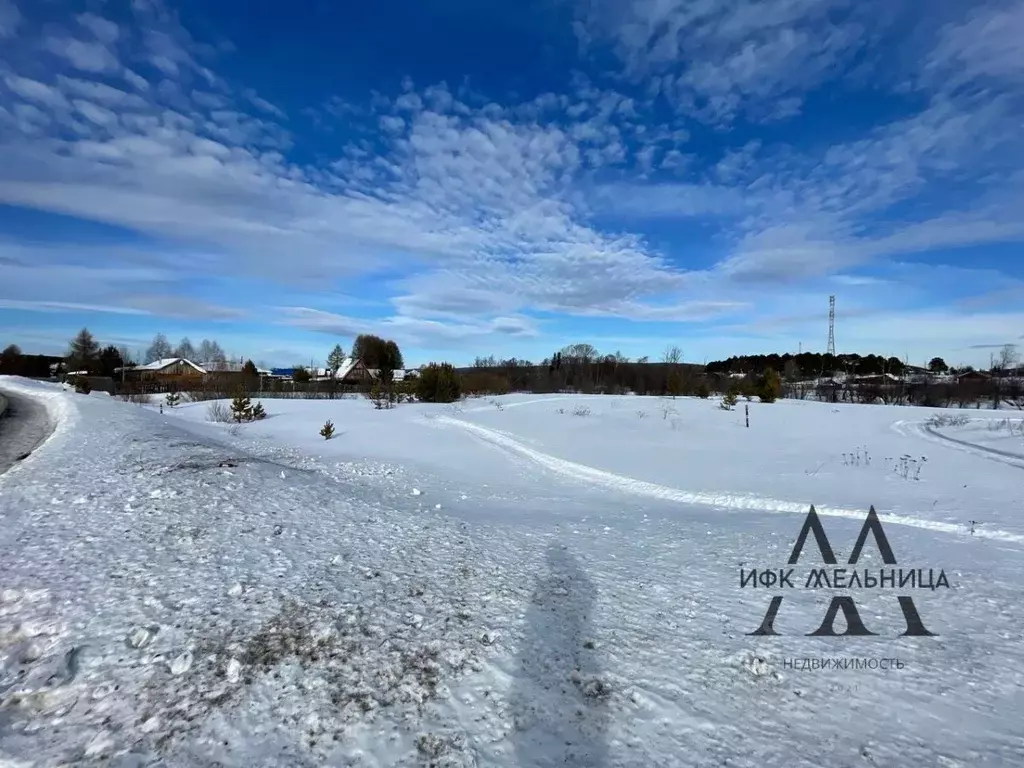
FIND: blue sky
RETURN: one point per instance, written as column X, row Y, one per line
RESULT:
column 476, row 178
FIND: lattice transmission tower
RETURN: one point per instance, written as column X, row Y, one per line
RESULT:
column 831, row 326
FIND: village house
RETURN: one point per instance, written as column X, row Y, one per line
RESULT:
column 229, row 366
column 176, row 369
column 973, row 376
column 352, row 372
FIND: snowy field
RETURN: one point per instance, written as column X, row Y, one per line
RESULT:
column 524, row 581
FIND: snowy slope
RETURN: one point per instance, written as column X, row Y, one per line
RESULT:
column 174, row 594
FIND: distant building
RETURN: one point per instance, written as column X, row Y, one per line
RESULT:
column 875, row 378
column 976, row 376
column 169, row 368
column 352, row 372
column 229, row 366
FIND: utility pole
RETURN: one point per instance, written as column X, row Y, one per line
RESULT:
column 831, row 350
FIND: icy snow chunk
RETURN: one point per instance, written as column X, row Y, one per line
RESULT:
column 759, row 667
column 140, row 637
column 99, row 744
column 235, row 590
column 437, row 506
column 490, row 637
column 33, row 651
column 596, row 689
column 417, row 492
column 181, row 664
column 234, row 671
column 414, row 620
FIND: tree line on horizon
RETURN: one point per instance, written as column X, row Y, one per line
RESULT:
column 579, row 366
column 85, row 353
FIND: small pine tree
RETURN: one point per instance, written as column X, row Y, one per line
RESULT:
column 674, row 383
column 327, row 430
column 770, row 387
column 729, row 400
column 438, row 383
column 258, row 413
column 173, row 398
column 241, row 407
column 703, row 390
column 376, row 396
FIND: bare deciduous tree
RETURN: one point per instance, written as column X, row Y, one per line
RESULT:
column 210, row 351
column 185, row 349
column 159, row 349
column 1008, row 357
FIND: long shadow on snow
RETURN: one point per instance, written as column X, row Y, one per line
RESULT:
column 561, row 717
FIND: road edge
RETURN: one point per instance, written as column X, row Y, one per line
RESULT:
column 33, row 422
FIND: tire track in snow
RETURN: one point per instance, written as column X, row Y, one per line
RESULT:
column 506, row 406
column 924, row 431
column 734, row 501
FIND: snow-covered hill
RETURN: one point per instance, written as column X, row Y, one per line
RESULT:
column 504, row 583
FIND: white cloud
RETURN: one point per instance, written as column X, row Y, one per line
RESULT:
column 263, row 104
column 181, row 307
column 65, row 306
column 35, row 91
column 86, row 56
column 135, row 80
column 101, row 92
column 715, row 58
column 95, row 113
column 986, row 45
column 104, row 30
column 668, row 200
column 392, row 123
column 409, row 330
column 493, row 211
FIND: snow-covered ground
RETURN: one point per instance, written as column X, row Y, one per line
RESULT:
column 504, row 583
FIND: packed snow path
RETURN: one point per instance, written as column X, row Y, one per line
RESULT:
column 175, row 595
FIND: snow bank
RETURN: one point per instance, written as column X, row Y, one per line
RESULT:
column 57, row 399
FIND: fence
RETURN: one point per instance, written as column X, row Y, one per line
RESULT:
column 218, row 387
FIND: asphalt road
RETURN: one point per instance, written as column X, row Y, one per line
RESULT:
column 23, row 426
